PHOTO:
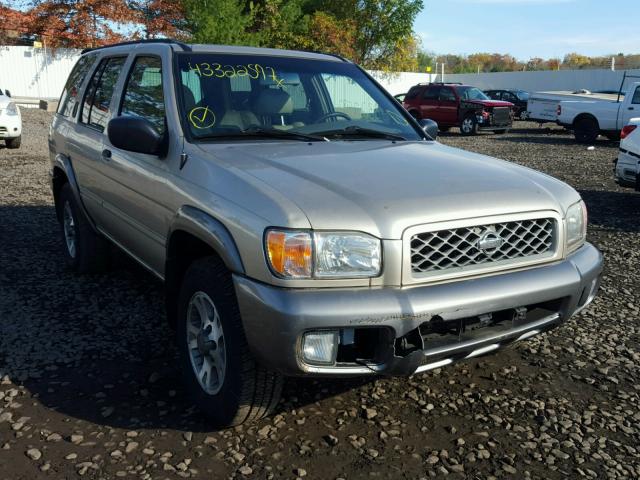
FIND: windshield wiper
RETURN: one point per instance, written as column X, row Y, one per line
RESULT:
column 253, row 132
column 360, row 132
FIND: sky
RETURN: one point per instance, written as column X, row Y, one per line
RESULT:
column 530, row 28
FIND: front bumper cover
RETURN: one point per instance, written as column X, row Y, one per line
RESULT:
column 275, row 318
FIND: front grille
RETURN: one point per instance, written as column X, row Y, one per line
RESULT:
column 501, row 115
column 462, row 248
column 3, row 129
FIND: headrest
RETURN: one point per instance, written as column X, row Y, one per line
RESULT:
column 272, row 101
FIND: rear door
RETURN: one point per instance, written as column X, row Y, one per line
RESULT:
column 429, row 103
column 86, row 138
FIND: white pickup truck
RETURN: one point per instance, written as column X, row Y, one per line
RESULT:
column 590, row 118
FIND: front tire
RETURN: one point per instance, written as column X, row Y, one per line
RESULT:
column 85, row 251
column 469, row 125
column 14, row 142
column 586, row 130
column 219, row 372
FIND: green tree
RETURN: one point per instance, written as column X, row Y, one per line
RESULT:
column 225, row 22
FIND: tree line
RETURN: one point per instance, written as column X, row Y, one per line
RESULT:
column 377, row 34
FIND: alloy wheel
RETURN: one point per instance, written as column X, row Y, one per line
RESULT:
column 205, row 343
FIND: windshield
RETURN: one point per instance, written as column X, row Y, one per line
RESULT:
column 471, row 93
column 226, row 95
column 524, row 96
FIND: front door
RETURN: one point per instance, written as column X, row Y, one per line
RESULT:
column 138, row 202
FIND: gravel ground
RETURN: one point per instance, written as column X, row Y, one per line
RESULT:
column 89, row 385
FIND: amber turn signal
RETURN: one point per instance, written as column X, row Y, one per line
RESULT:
column 290, row 253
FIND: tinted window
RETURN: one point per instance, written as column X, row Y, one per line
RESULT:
column 413, row 93
column 96, row 108
column 431, row 93
column 493, row 94
column 143, row 96
column 447, row 95
column 68, row 100
column 636, row 96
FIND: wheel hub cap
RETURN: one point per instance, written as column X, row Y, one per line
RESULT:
column 205, row 341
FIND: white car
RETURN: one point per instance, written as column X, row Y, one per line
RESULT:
column 627, row 169
column 10, row 121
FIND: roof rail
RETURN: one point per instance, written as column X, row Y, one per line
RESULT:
column 445, row 83
column 168, row 41
column 329, row 54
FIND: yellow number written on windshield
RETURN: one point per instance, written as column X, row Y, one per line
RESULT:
column 251, row 70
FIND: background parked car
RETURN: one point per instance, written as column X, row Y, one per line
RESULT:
column 627, row 165
column 519, row 99
column 10, row 121
column 455, row 105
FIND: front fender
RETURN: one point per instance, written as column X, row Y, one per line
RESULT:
column 212, row 232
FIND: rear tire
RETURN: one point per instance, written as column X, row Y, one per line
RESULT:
column 586, row 130
column 85, row 250
column 469, row 125
column 14, row 142
column 219, row 372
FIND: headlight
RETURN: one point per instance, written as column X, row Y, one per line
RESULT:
column 12, row 109
column 303, row 254
column 576, row 221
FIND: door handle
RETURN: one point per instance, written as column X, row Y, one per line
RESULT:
column 630, row 108
column 106, row 154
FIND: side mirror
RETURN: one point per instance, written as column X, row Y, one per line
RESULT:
column 136, row 134
column 7, row 93
column 430, row 128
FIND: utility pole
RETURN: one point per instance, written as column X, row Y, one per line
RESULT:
column 613, row 64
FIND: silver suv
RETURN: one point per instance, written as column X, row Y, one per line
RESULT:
column 303, row 223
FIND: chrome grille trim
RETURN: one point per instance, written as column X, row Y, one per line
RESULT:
column 447, row 250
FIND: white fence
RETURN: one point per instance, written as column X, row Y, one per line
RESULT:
column 28, row 72
column 545, row 80
column 34, row 73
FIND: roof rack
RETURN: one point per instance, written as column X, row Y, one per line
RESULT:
column 168, row 41
column 330, row 54
column 445, row 83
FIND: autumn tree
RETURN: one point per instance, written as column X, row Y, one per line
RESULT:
column 158, row 18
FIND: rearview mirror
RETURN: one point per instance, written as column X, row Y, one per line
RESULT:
column 430, row 128
column 7, row 93
column 136, row 134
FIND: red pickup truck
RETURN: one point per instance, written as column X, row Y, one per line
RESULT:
column 455, row 105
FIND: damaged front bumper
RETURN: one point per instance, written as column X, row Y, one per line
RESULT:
column 402, row 331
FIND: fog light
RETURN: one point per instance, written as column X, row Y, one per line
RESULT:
column 320, row 347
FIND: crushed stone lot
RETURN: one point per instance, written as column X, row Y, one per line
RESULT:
column 89, row 385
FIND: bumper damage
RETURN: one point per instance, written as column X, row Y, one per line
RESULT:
column 402, row 331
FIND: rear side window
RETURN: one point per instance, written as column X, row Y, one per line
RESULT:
column 143, row 96
column 636, row 96
column 97, row 99
column 431, row 93
column 413, row 93
column 68, row 105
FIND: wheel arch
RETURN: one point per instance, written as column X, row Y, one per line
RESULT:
column 583, row 116
column 195, row 234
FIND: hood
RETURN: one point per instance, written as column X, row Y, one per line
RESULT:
column 383, row 188
column 491, row 103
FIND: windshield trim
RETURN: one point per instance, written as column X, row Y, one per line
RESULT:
column 190, row 138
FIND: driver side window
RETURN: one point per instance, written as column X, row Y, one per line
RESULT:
column 348, row 97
